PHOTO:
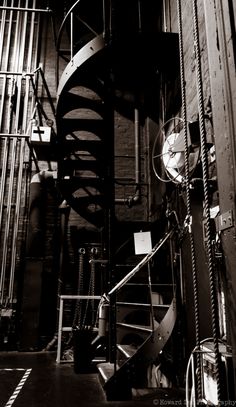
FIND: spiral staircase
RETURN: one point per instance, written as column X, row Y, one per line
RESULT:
column 145, row 307
column 146, row 313
column 80, row 123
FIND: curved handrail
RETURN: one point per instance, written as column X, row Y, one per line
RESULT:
column 63, row 52
column 86, row 52
column 63, row 24
column 67, row 16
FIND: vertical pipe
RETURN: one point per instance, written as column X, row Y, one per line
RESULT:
column 6, row 141
column 139, row 17
column 58, row 359
column 16, row 223
column 4, row 170
column 137, row 146
column 71, row 35
column 150, row 294
column 104, row 17
column 2, row 31
column 7, row 224
column 18, row 62
column 21, row 162
column 164, row 15
column 13, row 145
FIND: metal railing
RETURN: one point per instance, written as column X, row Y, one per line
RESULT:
column 65, row 43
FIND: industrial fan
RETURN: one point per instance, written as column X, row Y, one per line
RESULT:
column 168, row 153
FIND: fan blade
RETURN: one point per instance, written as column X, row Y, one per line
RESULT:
column 179, row 145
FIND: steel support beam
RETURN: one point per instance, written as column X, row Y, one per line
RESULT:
column 220, row 30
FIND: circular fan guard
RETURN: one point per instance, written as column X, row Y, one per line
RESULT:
column 168, row 153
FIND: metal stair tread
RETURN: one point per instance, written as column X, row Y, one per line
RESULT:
column 83, row 144
column 81, row 164
column 93, row 82
column 135, row 327
column 153, row 284
column 77, row 101
column 106, row 371
column 81, row 180
column 141, row 305
column 74, row 124
column 127, row 350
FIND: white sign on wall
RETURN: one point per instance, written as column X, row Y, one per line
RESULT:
column 40, row 134
column 142, row 242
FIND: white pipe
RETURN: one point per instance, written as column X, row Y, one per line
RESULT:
column 71, row 36
column 164, row 15
column 3, row 26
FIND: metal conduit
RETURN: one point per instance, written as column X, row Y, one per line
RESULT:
column 8, row 218
column 2, row 30
column 4, row 158
column 21, row 161
column 6, row 140
column 13, row 148
column 15, row 145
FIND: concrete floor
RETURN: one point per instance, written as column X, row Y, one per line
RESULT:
column 36, row 380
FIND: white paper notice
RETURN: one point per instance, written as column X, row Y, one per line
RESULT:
column 142, row 242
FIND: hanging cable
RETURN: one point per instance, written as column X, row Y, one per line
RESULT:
column 188, row 200
column 204, row 160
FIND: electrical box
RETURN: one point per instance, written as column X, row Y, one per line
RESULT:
column 40, row 135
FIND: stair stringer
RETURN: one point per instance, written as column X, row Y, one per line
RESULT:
column 83, row 55
column 146, row 355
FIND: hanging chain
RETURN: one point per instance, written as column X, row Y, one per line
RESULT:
column 92, row 285
column 188, row 220
column 80, row 289
column 204, row 160
column 91, row 291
